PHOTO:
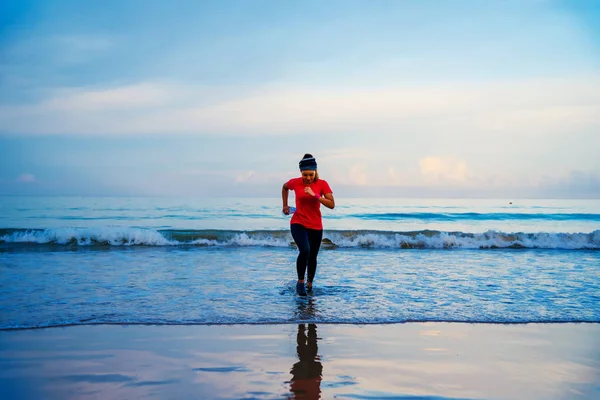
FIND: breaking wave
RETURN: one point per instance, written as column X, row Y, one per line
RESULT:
column 422, row 239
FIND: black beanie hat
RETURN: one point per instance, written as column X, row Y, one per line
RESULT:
column 308, row 162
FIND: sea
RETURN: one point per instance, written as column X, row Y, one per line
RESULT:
column 203, row 261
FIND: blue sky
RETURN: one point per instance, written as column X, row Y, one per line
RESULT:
column 394, row 98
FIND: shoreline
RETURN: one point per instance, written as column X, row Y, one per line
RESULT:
column 303, row 360
column 275, row 323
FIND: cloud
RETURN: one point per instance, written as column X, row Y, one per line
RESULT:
column 392, row 174
column 212, row 176
column 345, row 153
column 245, row 176
column 440, row 169
column 26, row 178
column 576, row 184
column 510, row 108
column 124, row 98
column 355, row 175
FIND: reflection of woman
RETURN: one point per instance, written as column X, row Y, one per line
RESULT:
column 307, row 373
column 306, row 224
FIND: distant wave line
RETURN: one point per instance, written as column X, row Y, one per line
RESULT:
column 477, row 216
column 392, row 216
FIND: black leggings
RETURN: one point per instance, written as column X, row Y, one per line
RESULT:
column 308, row 242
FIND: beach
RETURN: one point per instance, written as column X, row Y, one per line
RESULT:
column 357, row 200
column 400, row 361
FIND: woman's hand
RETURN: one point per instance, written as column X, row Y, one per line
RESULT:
column 286, row 210
column 309, row 191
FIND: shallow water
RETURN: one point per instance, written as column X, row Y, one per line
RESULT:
column 99, row 260
column 255, row 285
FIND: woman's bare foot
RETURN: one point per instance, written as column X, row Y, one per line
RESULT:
column 300, row 289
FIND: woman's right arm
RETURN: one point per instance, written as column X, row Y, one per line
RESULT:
column 284, row 196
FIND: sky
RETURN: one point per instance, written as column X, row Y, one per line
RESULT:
column 223, row 98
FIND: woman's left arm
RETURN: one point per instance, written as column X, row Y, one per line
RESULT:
column 328, row 201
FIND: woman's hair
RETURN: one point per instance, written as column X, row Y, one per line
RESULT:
column 309, row 162
column 316, row 176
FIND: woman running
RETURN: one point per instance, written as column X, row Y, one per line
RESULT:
column 306, row 224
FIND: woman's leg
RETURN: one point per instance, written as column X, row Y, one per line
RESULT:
column 300, row 235
column 314, row 241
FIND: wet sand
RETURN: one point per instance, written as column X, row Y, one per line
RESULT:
column 401, row 361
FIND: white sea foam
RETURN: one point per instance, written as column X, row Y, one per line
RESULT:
column 114, row 236
column 243, row 240
column 489, row 239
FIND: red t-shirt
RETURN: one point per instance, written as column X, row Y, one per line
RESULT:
column 308, row 209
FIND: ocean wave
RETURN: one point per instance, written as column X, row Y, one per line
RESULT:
column 86, row 236
column 423, row 239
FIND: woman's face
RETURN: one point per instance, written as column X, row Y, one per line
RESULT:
column 308, row 176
